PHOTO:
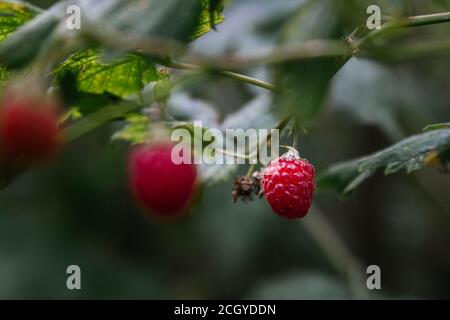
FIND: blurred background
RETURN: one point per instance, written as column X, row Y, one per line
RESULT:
column 79, row 211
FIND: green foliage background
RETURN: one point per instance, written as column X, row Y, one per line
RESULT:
column 371, row 108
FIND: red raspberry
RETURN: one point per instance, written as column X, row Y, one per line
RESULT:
column 161, row 186
column 288, row 185
column 28, row 129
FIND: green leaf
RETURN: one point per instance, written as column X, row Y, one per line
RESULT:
column 307, row 81
column 210, row 16
column 170, row 19
column 352, row 96
column 256, row 114
column 409, row 154
column 12, row 16
column 20, row 47
column 180, row 20
column 136, row 131
column 121, row 77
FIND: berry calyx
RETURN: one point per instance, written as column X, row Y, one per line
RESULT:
column 162, row 187
column 288, row 185
column 28, row 128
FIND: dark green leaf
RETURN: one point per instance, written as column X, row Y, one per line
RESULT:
column 410, row 154
column 12, row 16
column 307, row 82
column 210, row 16
column 171, row 19
column 180, row 20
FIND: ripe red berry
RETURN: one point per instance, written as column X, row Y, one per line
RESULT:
column 28, row 129
column 159, row 185
column 288, row 185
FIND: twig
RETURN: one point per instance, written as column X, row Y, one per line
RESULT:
column 280, row 126
column 162, row 48
column 114, row 111
column 414, row 21
column 227, row 74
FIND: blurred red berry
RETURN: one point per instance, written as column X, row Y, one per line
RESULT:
column 162, row 187
column 28, row 129
column 288, row 185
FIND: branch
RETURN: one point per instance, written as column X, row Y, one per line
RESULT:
column 227, row 74
column 221, row 65
column 313, row 49
column 114, row 111
column 307, row 50
column 414, row 21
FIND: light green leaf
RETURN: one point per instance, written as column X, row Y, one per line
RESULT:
column 256, row 114
column 180, row 20
column 410, row 154
column 12, row 16
column 121, row 77
column 437, row 126
column 210, row 16
column 20, row 47
column 171, row 19
column 308, row 81
column 136, row 131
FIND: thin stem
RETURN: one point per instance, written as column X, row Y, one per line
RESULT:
column 91, row 122
column 111, row 112
column 227, row 74
column 280, row 126
column 336, row 250
column 250, row 170
column 415, row 21
column 306, row 50
column 310, row 49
